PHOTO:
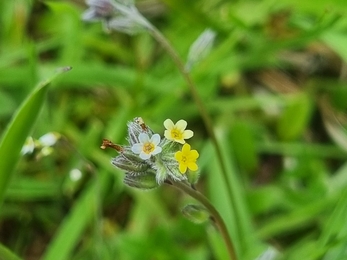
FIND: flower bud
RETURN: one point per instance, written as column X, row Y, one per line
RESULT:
column 196, row 213
column 193, row 177
column 122, row 162
column 135, row 128
column 200, row 48
column 160, row 171
column 174, row 173
column 49, row 139
column 29, row 146
column 98, row 9
column 143, row 181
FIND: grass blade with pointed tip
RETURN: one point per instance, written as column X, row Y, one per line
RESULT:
column 18, row 130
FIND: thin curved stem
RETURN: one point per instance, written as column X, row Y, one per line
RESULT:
column 193, row 89
column 214, row 213
column 198, row 101
column 135, row 15
column 209, row 126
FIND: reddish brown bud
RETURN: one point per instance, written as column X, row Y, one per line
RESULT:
column 107, row 143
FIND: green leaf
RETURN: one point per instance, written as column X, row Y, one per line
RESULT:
column 264, row 199
column 334, row 231
column 6, row 254
column 18, row 130
column 86, row 207
column 243, row 143
column 337, row 41
column 234, row 210
column 295, row 117
column 7, row 104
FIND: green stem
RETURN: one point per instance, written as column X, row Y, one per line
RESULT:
column 216, row 216
column 205, row 117
column 193, row 89
column 198, row 101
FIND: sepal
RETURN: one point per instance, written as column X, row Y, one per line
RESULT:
column 124, row 163
column 143, row 181
column 192, row 177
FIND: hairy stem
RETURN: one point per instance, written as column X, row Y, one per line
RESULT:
column 199, row 103
column 205, row 117
column 214, row 213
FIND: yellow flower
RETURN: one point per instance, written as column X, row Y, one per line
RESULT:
column 187, row 159
column 176, row 132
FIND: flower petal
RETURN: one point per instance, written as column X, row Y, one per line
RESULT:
column 155, row 139
column 182, row 167
column 168, row 124
column 144, row 156
column 156, row 150
column 167, row 135
column 181, row 125
column 193, row 155
column 186, row 148
column 137, row 148
column 143, row 138
column 192, row 166
column 188, row 134
column 178, row 156
column 181, row 141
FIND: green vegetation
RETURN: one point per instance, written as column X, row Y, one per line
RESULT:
column 271, row 129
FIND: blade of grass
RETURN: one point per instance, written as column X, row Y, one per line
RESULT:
column 235, row 216
column 334, row 230
column 71, row 229
column 6, row 254
column 300, row 149
column 18, row 130
column 297, row 219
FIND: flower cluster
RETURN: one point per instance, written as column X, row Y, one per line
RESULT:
column 41, row 147
column 149, row 160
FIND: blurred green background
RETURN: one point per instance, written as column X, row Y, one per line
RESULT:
column 274, row 83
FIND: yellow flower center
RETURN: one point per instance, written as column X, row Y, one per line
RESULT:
column 148, row 148
column 176, row 134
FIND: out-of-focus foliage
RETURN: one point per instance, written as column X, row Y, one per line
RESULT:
column 274, row 83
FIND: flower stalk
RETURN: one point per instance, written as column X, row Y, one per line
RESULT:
column 196, row 97
column 214, row 213
column 199, row 103
column 148, row 157
column 149, row 161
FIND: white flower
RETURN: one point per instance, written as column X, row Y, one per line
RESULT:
column 28, row 146
column 49, row 139
column 75, row 174
column 147, row 146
